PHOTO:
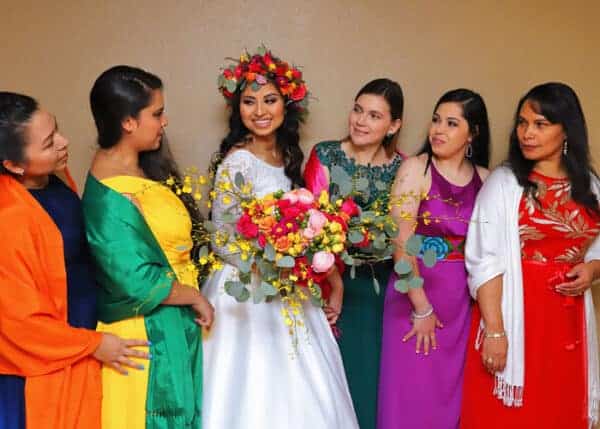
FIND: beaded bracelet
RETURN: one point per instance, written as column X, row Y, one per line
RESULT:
column 424, row 315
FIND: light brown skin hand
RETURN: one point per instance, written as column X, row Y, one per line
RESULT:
column 581, row 277
column 117, row 352
column 424, row 330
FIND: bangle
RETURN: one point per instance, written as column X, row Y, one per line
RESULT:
column 423, row 315
column 495, row 334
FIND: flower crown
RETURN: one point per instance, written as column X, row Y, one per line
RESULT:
column 259, row 69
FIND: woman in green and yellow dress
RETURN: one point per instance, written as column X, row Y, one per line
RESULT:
column 140, row 235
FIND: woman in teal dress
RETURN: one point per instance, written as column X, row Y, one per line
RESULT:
column 369, row 151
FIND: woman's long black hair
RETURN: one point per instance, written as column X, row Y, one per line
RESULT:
column 559, row 104
column 475, row 113
column 121, row 92
column 15, row 111
column 287, row 138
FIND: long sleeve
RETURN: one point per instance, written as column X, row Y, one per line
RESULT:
column 226, row 202
column 35, row 338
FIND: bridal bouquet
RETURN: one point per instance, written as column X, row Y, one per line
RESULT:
column 287, row 242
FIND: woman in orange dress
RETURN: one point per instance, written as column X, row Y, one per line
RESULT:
column 532, row 254
column 50, row 354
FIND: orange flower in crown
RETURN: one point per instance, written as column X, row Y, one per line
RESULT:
column 259, row 69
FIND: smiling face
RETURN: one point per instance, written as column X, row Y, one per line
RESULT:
column 449, row 132
column 370, row 120
column 148, row 127
column 262, row 111
column 539, row 139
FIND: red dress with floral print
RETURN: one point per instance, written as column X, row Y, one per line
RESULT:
column 555, row 233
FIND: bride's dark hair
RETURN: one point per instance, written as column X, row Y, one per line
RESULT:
column 287, row 139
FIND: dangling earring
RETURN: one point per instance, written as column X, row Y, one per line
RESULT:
column 565, row 148
column 469, row 152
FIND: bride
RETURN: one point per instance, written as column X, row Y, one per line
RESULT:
column 254, row 376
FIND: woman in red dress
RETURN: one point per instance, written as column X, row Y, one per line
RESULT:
column 532, row 254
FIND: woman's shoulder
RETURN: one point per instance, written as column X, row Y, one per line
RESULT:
column 482, row 172
column 327, row 150
column 413, row 165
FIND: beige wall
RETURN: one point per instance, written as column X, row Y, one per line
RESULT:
column 55, row 49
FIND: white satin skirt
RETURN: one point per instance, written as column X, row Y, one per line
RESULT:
column 255, row 377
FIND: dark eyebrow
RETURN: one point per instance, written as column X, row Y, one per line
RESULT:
column 271, row 94
column 456, row 119
column 49, row 136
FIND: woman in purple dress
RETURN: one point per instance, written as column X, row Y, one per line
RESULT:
column 425, row 331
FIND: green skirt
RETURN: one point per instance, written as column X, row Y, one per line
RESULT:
column 361, row 327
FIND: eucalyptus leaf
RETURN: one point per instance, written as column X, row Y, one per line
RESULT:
column 376, row 286
column 316, row 291
column 317, row 302
column 413, row 244
column 261, row 50
column 270, row 252
column 391, row 229
column 234, row 288
column 203, row 253
column 255, row 86
column 403, row 267
column 379, row 243
column 265, row 269
column 239, row 179
column 245, row 266
column 430, row 258
column 230, row 85
column 415, row 282
column 210, row 226
column 258, row 296
column 401, row 286
column 229, row 218
column 355, row 237
column 353, row 272
column 246, row 278
column 368, row 215
column 347, row 259
column 268, row 289
column 244, row 295
column 286, row 262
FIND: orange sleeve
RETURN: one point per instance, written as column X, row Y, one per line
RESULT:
column 35, row 338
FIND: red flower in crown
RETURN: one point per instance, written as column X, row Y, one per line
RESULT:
column 261, row 68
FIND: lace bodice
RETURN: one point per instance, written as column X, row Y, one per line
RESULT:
column 264, row 178
column 330, row 153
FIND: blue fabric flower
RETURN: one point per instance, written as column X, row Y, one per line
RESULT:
column 439, row 244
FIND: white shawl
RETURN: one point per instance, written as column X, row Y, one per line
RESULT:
column 492, row 249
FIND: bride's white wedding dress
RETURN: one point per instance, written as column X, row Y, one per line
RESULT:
column 254, row 376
